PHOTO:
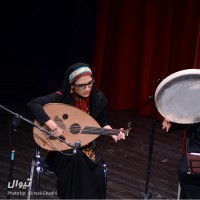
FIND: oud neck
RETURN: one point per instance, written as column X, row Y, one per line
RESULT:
column 101, row 131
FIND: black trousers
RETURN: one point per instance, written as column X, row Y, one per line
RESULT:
column 190, row 183
column 78, row 177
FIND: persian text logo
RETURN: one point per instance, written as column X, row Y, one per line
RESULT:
column 19, row 184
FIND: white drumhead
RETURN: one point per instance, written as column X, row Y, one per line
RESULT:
column 177, row 97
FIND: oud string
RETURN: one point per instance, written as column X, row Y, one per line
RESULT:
column 77, row 128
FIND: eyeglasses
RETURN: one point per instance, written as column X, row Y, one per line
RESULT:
column 83, row 86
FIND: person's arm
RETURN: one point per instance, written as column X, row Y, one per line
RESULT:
column 120, row 135
column 101, row 102
column 36, row 108
column 103, row 123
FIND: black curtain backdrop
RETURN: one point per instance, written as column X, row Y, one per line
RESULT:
column 39, row 39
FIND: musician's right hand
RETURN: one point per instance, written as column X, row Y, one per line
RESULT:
column 57, row 131
column 53, row 128
column 166, row 124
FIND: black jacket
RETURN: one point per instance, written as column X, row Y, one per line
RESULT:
column 97, row 105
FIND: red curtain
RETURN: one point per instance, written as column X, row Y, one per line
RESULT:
column 197, row 55
column 140, row 41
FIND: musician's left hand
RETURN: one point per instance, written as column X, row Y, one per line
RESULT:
column 120, row 135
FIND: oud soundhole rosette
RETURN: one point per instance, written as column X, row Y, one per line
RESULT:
column 65, row 116
column 75, row 128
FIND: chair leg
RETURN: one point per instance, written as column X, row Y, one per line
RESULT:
column 36, row 169
column 37, row 181
column 179, row 192
column 104, row 165
column 31, row 178
column 105, row 173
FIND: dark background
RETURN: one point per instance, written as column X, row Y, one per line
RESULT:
column 39, row 39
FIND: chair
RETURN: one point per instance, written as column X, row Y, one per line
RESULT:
column 39, row 165
column 193, row 162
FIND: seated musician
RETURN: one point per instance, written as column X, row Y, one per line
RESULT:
column 78, row 176
column 190, row 183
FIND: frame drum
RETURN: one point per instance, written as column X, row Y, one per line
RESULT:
column 177, row 97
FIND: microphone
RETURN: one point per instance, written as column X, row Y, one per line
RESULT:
column 77, row 145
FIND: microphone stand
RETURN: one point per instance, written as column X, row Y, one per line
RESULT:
column 14, row 128
column 147, row 195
